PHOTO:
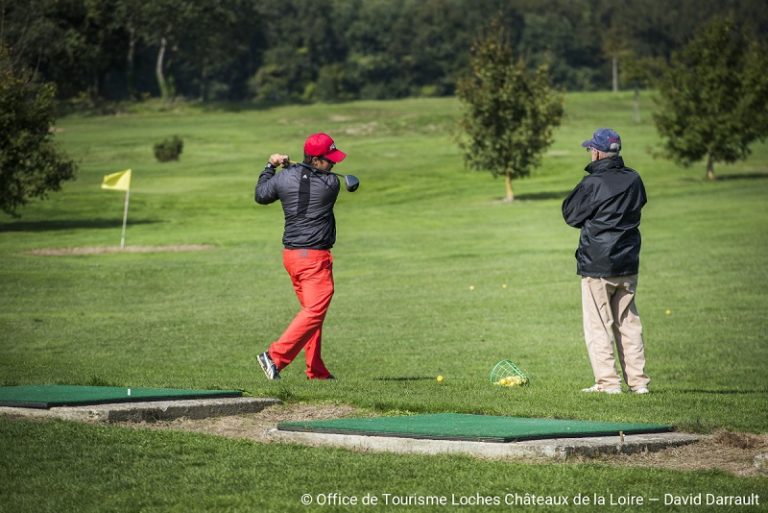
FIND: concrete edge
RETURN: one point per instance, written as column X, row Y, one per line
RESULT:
column 558, row 448
column 150, row 411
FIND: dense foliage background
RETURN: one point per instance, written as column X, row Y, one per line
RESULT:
column 277, row 51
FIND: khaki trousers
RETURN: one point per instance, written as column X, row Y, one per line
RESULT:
column 611, row 319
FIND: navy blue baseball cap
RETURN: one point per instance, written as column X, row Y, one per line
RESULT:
column 605, row 140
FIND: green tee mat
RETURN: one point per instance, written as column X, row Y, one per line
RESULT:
column 48, row 396
column 476, row 428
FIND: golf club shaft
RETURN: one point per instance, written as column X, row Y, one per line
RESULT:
column 312, row 168
column 351, row 183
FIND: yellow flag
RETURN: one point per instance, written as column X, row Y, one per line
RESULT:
column 120, row 181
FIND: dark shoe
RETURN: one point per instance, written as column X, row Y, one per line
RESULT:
column 268, row 366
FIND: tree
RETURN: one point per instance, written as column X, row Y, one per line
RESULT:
column 73, row 44
column 163, row 23
column 509, row 112
column 30, row 164
column 615, row 44
column 714, row 97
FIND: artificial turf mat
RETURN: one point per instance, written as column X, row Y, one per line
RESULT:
column 476, row 428
column 48, row 396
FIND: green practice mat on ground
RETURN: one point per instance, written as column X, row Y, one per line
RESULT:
column 476, row 428
column 48, row 396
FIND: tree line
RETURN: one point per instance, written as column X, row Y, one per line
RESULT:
column 280, row 51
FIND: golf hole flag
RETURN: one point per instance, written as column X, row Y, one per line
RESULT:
column 120, row 181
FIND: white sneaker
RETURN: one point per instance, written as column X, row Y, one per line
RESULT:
column 268, row 366
column 595, row 388
column 641, row 390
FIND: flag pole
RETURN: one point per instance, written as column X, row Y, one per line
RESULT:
column 125, row 217
column 120, row 181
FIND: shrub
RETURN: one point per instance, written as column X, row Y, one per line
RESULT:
column 169, row 149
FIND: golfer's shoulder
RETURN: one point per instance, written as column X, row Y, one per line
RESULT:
column 293, row 169
column 327, row 186
column 333, row 182
column 289, row 174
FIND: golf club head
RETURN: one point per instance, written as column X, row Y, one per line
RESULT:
column 351, row 182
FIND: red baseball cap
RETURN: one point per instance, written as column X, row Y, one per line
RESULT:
column 321, row 145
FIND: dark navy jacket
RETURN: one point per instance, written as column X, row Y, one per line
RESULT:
column 606, row 205
column 307, row 198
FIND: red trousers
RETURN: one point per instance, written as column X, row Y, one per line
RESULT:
column 311, row 272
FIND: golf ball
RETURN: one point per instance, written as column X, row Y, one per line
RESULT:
column 668, row 312
column 471, row 287
column 440, row 379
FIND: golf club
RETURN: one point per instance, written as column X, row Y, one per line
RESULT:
column 351, row 183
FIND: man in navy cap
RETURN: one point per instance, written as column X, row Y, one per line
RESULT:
column 606, row 206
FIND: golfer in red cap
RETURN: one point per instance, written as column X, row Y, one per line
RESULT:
column 307, row 192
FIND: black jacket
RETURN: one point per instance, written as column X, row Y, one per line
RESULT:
column 606, row 206
column 307, row 198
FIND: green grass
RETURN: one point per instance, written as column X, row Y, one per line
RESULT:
column 411, row 241
column 49, row 467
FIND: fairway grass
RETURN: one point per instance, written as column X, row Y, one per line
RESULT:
column 434, row 276
column 49, row 467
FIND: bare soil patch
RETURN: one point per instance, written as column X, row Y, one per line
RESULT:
column 254, row 426
column 101, row 250
column 361, row 129
column 726, row 451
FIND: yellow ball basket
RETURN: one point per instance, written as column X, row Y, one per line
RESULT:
column 507, row 374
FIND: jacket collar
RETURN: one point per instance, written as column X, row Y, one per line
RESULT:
column 605, row 164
